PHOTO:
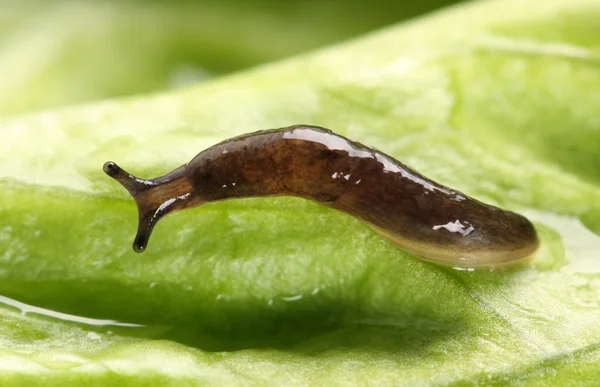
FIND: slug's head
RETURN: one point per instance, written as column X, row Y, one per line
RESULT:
column 154, row 198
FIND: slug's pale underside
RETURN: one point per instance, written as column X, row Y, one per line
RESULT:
column 420, row 216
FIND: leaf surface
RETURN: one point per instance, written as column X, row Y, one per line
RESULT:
column 498, row 99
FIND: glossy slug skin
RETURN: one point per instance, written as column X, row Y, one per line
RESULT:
column 420, row 216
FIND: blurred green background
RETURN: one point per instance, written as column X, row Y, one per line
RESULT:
column 56, row 53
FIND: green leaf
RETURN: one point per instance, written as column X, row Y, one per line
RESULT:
column 499, row 99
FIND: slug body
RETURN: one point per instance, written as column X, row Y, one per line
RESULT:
column 420, row 216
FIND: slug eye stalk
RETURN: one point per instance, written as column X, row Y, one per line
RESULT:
column 154, row 199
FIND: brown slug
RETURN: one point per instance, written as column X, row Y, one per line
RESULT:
column 420, row 216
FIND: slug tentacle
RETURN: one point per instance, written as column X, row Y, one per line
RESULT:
column 154, row 198
column 427, row 219
column 127, row 180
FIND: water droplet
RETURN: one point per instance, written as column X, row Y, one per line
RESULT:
column 25, row 308
column 565, row 243
column 93, row 336
column 292, row 298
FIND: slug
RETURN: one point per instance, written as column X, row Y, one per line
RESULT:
column 418, row 215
